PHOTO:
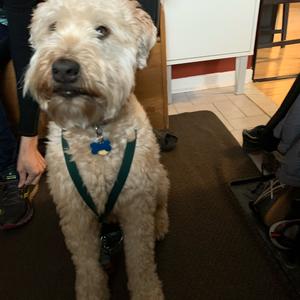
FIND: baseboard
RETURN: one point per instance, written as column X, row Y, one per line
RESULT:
column 207, row 81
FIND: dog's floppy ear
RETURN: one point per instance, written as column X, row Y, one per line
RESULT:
column 146, row 38
column 38, row 30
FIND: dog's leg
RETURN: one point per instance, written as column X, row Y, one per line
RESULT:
column 81, row 231
column 161, row 217
column 161, row 214
column 138, row 225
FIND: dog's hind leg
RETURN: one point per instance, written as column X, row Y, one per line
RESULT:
column 138, row 225
column 81, row 231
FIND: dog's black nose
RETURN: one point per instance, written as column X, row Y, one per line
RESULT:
column 65, row 70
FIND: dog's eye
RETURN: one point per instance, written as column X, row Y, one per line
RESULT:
column 102, row 31
column 52, row 27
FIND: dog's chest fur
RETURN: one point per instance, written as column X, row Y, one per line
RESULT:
column 99, row 172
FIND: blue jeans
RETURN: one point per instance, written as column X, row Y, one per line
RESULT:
column 8, row 142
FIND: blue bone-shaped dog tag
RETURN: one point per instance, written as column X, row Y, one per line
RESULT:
column 101, row 148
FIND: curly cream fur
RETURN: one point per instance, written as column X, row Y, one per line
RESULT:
column 107, row 70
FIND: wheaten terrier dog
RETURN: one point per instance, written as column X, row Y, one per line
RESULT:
column 82, row 73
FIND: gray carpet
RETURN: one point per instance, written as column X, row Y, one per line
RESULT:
column 211, row 251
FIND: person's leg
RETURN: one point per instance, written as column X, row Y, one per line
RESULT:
column 15, row 207
column 285, row 214
column 289, row 171
column 12, row 206
column 8, row 143
column 287, row 196
column 19, row 14
column 284, row 108
column 288, row 130
column 4, row 46
column 261, row 138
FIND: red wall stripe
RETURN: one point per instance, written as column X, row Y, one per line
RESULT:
column 205, row 67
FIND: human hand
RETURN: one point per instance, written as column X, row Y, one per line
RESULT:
column 31, row 164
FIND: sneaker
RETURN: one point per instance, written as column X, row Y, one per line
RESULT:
column 252, row 139
column 166, row 140
column 15, row 203
column 271, row 190
column 268, row 194
column 285, row 234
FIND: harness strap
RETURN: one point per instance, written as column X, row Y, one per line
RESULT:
column 121, row 178
column 117, row 187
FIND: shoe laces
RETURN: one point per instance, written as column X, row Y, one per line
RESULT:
column 271, row 190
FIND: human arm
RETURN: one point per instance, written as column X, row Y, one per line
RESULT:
column 31, row 163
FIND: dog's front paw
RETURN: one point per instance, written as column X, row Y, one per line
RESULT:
column 92, row 294
column 91, row 286
column 155, row 294
column 147, row 288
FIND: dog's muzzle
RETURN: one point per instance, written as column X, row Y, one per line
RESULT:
column 65, row 74
column 65, row 71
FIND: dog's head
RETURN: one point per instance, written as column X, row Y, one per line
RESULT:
column 85, row 56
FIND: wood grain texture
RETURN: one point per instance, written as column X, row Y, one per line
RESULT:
column 151, row 82
column 278, row 61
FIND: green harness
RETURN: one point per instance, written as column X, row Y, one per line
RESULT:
column 111, row 235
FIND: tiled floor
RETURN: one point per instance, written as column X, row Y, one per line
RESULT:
column 236, row 112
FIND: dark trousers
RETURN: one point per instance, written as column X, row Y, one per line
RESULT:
column 14, row 45
column 288, row 132
column 4, row 47
column 8, row 143
column 19, row 14
column 268, row 140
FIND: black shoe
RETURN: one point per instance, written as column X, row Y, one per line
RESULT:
column 252, row 139
column 166, row 140
column 15, row 206
column 285, row 234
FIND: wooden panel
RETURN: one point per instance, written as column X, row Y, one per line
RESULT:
column 149, row 89
column 151, row 83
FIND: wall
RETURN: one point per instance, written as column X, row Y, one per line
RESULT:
column 206, row 74
column 205, row 67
